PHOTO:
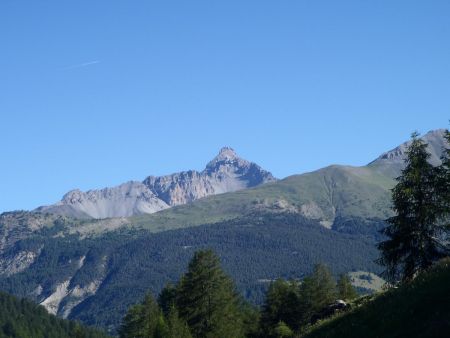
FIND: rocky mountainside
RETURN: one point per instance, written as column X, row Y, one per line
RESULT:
column 390, row 163
column 227, row 172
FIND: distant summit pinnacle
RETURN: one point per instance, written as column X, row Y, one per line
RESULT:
column 226, row 155
column 227, row 151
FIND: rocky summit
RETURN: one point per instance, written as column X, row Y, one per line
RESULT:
column 391, row 162
column 227, row 172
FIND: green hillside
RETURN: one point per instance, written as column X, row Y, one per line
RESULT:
column 24, row 319
column 323, row 195
column 420, row 309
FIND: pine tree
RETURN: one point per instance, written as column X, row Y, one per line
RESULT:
column 345, row 289
column 207, row 300
column 282, row 304
column 250, row 319
column 161, row 329
column 443, row 187
column 132, row 323
column 283, row 331
column 412, row 243
column 317, row 291
column 142, row 320
column 167, row 298
column 176, row 327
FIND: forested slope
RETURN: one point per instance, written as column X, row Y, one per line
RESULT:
column 125, row 265
column 23, row 319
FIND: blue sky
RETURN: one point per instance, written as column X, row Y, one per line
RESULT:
column 95, row 93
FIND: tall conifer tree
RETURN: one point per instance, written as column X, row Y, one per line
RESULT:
column 142, row 320
column 317, row 291
column 412, row 243
column 176, row 327
column 282, row 305
column 207, row 300
column 345, row 289
column 443, row 186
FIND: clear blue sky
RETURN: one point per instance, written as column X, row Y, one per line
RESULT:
column 95, row 93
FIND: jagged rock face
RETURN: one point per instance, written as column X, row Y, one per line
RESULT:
column 225, row 173
column 391, row 162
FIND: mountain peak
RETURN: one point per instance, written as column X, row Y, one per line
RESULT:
column 227, row 152
column 226, row 172
column 226, row 156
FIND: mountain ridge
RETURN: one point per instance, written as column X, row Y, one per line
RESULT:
column 390, row 162
column 329, row 193
column 226, row 172
column 336, row 191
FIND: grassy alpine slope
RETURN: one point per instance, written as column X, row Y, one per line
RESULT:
column 418, row 309
column 323, row 195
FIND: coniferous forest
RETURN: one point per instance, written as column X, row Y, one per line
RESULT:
column 205, row 303
column 254, row 250
column 22, row 319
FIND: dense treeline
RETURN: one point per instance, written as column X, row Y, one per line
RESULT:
column 255, row 250
column 205, row 304
column 24, row 319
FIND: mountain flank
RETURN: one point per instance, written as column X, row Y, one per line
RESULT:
column 227, row 172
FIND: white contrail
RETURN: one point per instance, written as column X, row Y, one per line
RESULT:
column 84, row 64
